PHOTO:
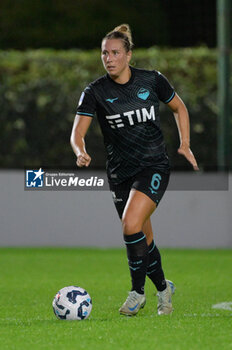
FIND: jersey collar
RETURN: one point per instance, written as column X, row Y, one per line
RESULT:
column 130, row 81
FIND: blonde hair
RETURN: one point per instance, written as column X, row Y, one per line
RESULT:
column 122, row 32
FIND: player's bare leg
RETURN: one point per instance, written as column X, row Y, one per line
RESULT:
column 137, row 211
column 147, row 230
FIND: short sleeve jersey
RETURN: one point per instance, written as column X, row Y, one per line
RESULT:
column 128, row 115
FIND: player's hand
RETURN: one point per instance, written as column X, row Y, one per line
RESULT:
column 83, row 159
column 185, row 151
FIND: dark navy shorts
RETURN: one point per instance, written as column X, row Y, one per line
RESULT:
column 150, row 181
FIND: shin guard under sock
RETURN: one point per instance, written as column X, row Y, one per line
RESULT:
column 137, row 253
column 154, row 267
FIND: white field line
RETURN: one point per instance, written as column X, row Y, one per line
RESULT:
column 225, row 305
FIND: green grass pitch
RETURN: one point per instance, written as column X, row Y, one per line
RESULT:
column 30, row 277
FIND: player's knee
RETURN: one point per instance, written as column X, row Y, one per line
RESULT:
column 130, row 225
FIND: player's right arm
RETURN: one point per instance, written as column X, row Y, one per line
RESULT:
column 80, row 127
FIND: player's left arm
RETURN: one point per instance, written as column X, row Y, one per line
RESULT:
column 182, row 120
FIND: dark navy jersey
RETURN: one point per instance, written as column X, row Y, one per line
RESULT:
column 129, row 119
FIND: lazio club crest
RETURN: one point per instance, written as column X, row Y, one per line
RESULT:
column 143, row 94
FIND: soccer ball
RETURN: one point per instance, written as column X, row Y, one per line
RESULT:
column 72, row 303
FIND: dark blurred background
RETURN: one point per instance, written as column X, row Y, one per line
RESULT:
column 50, row 52
column 82, row 23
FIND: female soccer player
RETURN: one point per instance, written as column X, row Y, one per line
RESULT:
column 126, row 101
